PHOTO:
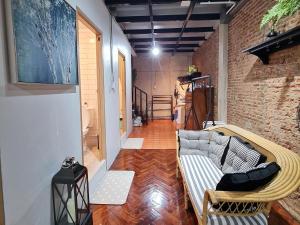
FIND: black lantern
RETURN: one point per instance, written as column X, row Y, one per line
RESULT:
column 70, row 193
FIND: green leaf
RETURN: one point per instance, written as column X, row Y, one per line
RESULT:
column 281, row 9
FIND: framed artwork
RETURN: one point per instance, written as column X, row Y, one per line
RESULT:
column 42, row 41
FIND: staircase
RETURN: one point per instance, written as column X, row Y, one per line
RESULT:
column 140, row 104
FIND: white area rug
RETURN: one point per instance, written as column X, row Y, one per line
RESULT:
column 113, row 189
column 133, row 143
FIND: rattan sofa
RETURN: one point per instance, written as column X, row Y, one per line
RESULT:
column 286, row 181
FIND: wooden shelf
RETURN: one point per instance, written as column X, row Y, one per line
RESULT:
column 274, row 44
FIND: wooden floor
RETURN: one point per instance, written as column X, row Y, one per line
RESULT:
column 158, row 134
column 156, row 196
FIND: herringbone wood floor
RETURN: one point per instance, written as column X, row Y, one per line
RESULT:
column 156, row 196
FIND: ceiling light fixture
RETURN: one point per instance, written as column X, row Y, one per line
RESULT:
column 155, row 51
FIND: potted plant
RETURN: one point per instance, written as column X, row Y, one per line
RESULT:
column 281, row 9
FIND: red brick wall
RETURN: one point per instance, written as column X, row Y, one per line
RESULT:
column 264, row 98
column 205, row 59
column 261, row 98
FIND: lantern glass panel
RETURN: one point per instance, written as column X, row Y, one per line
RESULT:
column 82, row 200
column 64, row 203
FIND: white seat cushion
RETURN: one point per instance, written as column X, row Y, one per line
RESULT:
column 202, row 174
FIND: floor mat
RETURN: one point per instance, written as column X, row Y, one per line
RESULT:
column 113, row 189
column 133, row 143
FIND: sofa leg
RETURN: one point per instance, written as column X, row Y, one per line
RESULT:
column 268, row 209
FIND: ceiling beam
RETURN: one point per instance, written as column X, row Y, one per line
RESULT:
column 170, row 30
column 165, row 50
column 161, row 39
column 169, row 46
column 157, row 18
column 151, row 21
column 188, row 17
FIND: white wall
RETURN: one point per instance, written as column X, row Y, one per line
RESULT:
column 157, row 75
column 40, row 126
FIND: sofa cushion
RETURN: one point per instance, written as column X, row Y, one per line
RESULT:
column 241, row 157
column 194, row 146
column 217, row 147
column 194, row 134
column 249, row 180
column 202, row 174
column 193, row 142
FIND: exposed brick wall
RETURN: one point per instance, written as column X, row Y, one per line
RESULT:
column 205, row 60
column 264, row 98
column 261, row 98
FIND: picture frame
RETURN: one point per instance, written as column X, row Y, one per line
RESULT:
column 42, row 42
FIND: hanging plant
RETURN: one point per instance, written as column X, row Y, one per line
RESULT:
column 281, row 9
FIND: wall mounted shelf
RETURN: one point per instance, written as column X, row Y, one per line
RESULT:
column 274, row 44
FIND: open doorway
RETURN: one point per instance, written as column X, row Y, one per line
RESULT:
column 92, row 97
column 122, row 93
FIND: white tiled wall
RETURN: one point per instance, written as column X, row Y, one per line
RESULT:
column 88, row 73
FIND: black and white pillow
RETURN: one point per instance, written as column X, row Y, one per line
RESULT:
column 217, row 147
column 241, row 157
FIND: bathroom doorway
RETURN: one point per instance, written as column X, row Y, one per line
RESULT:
column 122, row 93
column 92, row 97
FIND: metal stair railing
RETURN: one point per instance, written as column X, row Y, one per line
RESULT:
column 140, row 99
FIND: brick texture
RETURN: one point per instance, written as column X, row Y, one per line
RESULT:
column 264, row 98
column 261, row 98
column 205, row 59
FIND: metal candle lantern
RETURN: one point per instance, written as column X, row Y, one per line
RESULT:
column 70, row 192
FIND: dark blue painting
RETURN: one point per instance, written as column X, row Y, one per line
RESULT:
column 45, row 41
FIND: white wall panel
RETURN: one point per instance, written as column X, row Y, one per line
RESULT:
column 40, row 125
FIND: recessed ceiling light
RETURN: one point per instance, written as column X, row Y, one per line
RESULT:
column 185, row 3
